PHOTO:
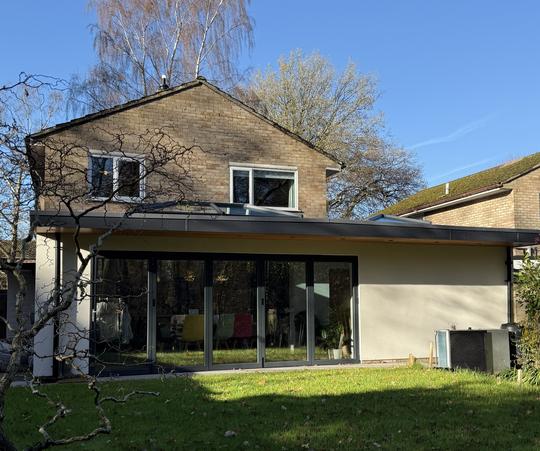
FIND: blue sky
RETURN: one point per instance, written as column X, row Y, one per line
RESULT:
column 459, row 80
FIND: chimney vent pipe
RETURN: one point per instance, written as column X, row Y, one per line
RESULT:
column 164, row 85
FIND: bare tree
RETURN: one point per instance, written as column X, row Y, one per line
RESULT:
column 336, row 113
column 32, row 103
column 52, row 173
column 139, row 41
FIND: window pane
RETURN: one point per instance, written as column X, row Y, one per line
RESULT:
column 129, row 178
column 274, row 175
column 180, row 313
column 235, row 312
column 241, row 187
column 273, row 188
column 102, row 176
column 333, row 321
column 121, row 294
column 285, row 285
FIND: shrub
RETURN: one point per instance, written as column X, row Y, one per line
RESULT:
column 528, row 296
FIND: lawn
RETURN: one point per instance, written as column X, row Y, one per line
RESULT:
column 321, row 410
column 220, row 356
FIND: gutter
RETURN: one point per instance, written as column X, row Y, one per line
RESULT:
column 510, row 285
column 461, row 200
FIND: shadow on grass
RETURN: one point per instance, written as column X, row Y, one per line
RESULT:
column 303, row 411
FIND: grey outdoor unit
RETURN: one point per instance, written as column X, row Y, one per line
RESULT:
column 497, row 350
column 480, row 350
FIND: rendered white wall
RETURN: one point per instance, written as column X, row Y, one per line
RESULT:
column 75, row 321
column 406, row 293
column 44, row 284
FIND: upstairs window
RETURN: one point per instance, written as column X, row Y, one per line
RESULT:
column 264, row 187
column 121, row 175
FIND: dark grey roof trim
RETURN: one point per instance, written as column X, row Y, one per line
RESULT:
column 292, row 227
column 168, row 92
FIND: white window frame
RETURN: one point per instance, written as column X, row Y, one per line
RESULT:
column 258, row 167
column 116, row 157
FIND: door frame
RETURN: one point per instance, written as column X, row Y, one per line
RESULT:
column 260, row 259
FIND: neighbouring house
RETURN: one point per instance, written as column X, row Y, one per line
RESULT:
column 9, row 288
column 247, row 270
column 505, row 196
column 3, row 303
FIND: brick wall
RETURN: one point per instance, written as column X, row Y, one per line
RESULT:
column 527, row 200
column 520, row 208
column 497, row 211
column 224, row 132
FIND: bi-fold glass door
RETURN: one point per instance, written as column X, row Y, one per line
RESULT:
column 234, row 312
column 120, row 313
column 212, row 311
column 285, row 309
column 180, row 313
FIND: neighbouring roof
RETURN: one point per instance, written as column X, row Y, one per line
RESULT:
column 166, row 93
column 491, row 178
column 287, row 228
column 29, row 257
column 30, row 251
column 393, row 219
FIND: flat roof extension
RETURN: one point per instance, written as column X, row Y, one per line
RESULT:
column 276, row 227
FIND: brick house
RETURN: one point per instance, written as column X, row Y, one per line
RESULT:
column 245, row 269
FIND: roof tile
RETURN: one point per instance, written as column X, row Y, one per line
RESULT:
column 464, row 186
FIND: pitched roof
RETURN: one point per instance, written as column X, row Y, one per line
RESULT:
column 5, row 246
column 479, row 182
column 29, row 257
column 166, row 93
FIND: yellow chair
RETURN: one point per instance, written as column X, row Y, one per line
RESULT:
column 193, row 330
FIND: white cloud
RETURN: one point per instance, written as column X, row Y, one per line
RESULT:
column 455, row 135
column 462, row 168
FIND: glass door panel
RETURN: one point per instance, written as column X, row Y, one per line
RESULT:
column 121, row 300
column 285, row 310
column 180, row 313
column 333, row 310
column 235, row 312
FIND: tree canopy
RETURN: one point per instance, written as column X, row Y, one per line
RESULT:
column 139, row 41
column 336, row 112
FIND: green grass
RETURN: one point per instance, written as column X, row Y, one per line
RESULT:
column 321, row 410
column 220, row 356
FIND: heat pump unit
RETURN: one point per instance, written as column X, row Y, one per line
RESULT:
column 461, row 349
column 480, row 350
column 497, row 350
